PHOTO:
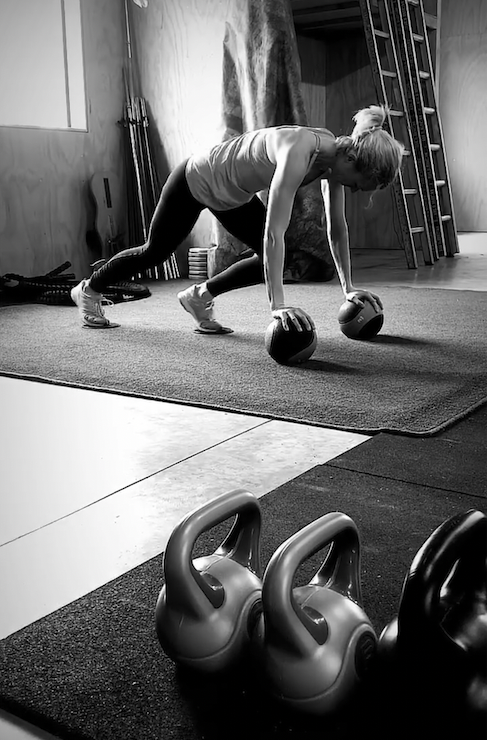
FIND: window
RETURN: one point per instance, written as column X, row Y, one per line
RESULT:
column 41, row 64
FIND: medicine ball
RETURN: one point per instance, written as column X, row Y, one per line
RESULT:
column 360, row 323
column 289, row 347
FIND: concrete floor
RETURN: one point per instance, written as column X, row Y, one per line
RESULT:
column 82, row 503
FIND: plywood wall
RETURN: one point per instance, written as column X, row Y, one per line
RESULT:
column 44, row 203
column 349, row 87
column 463, row 107
column 179, row 48
column 312, row 53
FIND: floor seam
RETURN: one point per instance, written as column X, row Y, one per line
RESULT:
column 403, row 480
column 134, row 483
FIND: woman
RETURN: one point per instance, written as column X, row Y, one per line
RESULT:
column 226, row 180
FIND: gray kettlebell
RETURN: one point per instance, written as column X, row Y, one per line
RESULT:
column 202, row 610
column 315, row 642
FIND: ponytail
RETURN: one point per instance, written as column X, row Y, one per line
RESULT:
column 368, row 120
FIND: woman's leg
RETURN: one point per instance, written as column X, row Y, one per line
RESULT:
column 175, row 215
column 247, row 224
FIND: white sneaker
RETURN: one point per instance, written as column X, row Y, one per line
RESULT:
column 90, row 308
column 197, row 301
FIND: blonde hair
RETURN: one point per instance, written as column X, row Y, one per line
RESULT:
column 377, row 155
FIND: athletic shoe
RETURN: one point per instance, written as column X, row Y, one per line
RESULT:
column 90, row 307
column 199, row 303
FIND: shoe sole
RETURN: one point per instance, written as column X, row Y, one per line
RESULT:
column 110, row 325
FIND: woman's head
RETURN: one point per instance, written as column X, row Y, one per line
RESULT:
column 376, row 155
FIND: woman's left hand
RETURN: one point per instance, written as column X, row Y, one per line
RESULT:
column 359, row 296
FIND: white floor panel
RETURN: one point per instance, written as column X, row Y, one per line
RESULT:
column 69, row 558
column 64, row 448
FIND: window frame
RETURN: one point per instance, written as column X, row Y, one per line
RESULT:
column 67, row 128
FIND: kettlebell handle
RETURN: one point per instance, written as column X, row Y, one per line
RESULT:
column 340, row 571
column 186, row 587
column 462, row 537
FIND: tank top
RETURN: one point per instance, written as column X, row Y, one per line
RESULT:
column 232, row 172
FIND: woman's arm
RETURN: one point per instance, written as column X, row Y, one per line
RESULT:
column 337, row 231
column 292, row 158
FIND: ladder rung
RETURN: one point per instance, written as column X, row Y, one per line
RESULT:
column 413, row 2
column 435, row 147
column 418, row 37
column 410, row 191
column 440, row 183
column 447, row 217
column 387, row 73
column 429, row 111
column 424, row 75
column 417, row 229
column 397, row 113
column 382, row 34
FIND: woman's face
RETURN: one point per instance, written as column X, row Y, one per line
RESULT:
column 348, row 176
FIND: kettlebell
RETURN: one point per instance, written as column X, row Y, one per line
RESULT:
column 202, row 610
column 437, row 644
column 315, row 642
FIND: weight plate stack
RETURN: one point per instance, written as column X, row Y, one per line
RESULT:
column 198, row 263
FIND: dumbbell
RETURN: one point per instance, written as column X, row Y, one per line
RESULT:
column 436, row 646
column 315, row 643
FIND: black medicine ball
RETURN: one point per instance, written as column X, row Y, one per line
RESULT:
column 289, row 347
column 360, row 323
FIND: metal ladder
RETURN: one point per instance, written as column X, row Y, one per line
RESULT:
column 408, row 190
column 396, row 37
column 415, row 52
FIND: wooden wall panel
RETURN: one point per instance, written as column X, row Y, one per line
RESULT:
column 312, row 53
column 179, row 48
column 349, row 87
column 44, row 204
column 463, row 106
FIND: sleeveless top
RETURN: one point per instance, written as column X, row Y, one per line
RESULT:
column 232, row 172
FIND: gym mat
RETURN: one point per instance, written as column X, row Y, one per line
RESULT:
column 425, row 370
column 94, row 669
column 455, row 460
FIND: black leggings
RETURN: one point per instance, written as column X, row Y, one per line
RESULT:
column 175, row 216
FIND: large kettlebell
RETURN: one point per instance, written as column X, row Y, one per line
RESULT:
column 315, row 642
column 202, row 610
column 437, row 644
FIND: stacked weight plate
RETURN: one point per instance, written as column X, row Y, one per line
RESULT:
column 198, row 263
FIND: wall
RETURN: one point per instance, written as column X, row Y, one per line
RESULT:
column 44, row 204
column 179, row 48
column 312, row 53
column 350, row 86
column 463, row 106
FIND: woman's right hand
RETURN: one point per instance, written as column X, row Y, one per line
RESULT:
column 293, row 315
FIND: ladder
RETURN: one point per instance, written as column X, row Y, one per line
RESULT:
column 416, row 55
column 400, row 57
column 407, row 189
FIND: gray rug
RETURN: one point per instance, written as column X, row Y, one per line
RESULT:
column 425, row 370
